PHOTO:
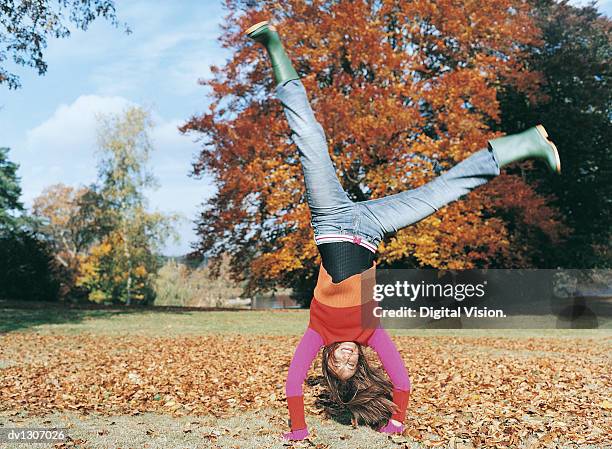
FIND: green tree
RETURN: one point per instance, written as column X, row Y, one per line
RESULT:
column 26, row 262
column 27, row 269
column 10, row 191
column 26, row 25
column 123, row 263
column 574, row 105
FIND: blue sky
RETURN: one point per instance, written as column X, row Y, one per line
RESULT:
column 50, row 122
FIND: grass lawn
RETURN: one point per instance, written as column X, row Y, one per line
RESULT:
column 192, row 379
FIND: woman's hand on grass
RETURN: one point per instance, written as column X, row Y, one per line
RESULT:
column 295, row 435
column 392, row 426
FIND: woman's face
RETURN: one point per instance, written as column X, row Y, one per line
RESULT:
column 343, row 362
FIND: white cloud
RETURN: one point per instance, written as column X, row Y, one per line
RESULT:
column 72, row 124
column 63, row 149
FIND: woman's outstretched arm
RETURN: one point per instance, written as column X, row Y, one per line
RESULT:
column 306, row 351
column 395, row 368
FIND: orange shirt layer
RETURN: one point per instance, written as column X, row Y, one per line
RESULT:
column 344, row 311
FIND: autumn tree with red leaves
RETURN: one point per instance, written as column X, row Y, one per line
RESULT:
column 403, row 90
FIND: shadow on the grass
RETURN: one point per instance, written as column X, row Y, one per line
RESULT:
column 20, row 319
column 21, row 315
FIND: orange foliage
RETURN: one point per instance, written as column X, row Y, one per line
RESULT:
column 395, row 84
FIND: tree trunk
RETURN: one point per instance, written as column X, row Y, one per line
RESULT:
column 126, row 251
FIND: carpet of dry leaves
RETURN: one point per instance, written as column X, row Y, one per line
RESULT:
column 494, row 392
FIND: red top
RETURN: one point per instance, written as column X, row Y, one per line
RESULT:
column 344, row 311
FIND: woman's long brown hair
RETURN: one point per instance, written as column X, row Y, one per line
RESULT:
column 366, row 394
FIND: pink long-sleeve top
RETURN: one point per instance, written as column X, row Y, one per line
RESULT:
column 339, row 313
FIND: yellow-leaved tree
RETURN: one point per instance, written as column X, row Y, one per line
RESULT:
column 122, row 263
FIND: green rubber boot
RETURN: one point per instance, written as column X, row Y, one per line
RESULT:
column 266, row 34
column 531, row 143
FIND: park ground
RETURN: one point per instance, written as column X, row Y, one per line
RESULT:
column 191, row 379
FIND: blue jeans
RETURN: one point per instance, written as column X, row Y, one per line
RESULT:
column 333, row 213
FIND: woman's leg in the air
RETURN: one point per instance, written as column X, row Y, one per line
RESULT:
column 389, row 214
column 331, row 208
column 324, row 192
